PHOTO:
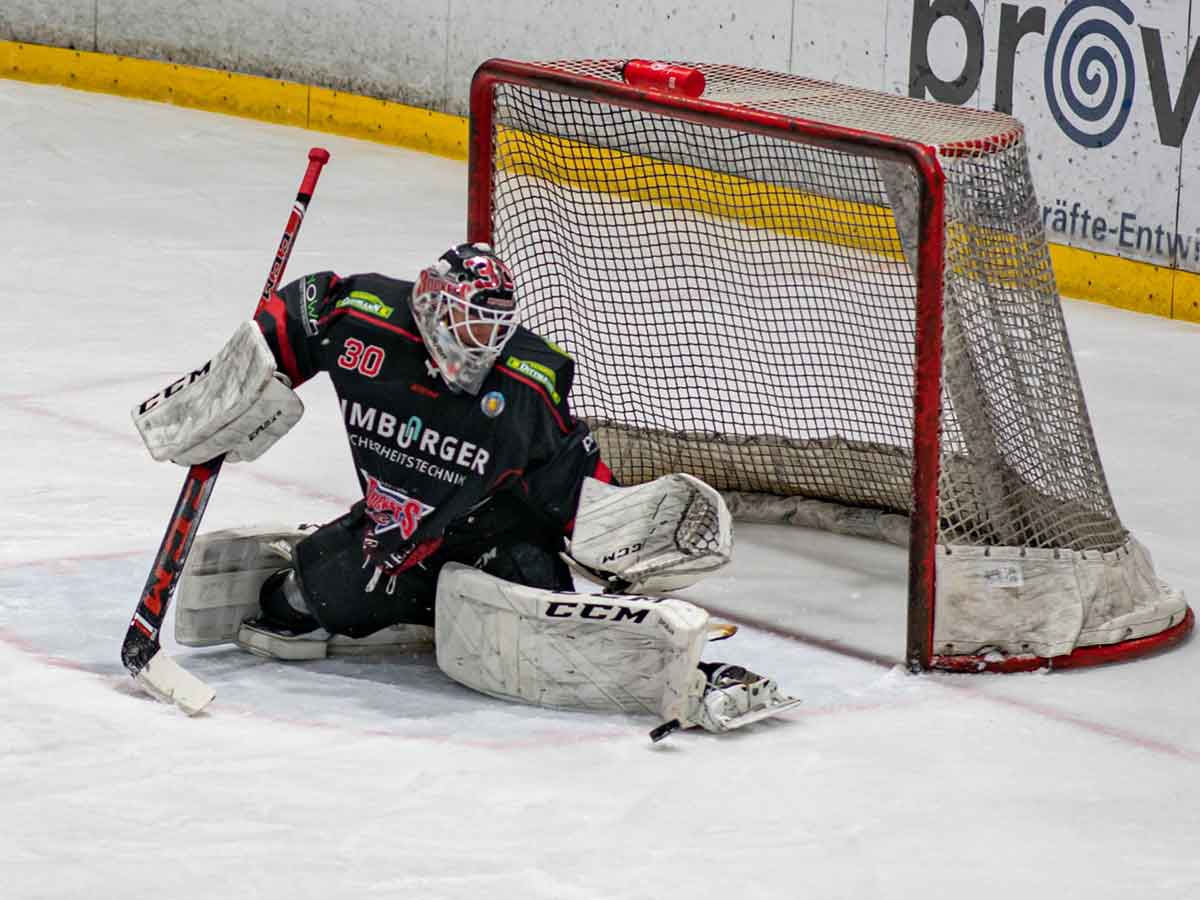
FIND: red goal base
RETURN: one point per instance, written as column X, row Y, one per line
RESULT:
column 1078, row 659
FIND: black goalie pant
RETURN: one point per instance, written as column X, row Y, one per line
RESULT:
column 347, row 595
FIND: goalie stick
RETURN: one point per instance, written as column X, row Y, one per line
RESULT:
column 152, row 670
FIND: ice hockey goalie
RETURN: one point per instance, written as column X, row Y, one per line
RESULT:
column 480, row 494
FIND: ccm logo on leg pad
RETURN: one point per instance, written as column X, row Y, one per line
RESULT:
column 606, row 612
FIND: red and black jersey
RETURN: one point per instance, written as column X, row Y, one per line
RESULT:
column 427, row 455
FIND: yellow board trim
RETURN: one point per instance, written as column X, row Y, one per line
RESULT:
column 1128, row 284
column 1112, row 280
column 1185, row 298
column 250, row 96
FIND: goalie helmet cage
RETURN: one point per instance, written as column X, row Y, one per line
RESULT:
column 837, row 307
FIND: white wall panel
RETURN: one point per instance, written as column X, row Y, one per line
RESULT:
column 742, row 32
column 842, row 42
column 61, row 23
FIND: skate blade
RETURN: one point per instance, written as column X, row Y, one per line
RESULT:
column 766, row 712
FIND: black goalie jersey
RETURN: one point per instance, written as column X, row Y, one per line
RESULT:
column 427, row 456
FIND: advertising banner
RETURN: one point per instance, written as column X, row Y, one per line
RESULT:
column 1107, row 93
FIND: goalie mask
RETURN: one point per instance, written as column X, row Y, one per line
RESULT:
column 465, row 310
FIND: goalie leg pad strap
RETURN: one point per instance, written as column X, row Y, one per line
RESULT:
column 569, row 651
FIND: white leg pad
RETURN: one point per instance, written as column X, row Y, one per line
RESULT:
column 567, row 650
column 219, row 586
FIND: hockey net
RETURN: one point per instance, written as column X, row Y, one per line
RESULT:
column 837, row 307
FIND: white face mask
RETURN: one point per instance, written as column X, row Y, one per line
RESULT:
column 464, row 338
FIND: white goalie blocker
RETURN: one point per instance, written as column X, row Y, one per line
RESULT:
column 235, row 405
column 652, row 538
column 600, row 652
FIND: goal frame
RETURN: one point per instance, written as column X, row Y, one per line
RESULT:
column 922, row 160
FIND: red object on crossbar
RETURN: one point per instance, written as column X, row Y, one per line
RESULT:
column 661, row 76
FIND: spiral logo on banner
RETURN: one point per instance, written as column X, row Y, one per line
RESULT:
column 1089, row 71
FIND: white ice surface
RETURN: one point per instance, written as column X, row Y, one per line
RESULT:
column 133, row 239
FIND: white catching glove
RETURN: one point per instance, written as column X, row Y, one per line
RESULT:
column 653, row 538
column 237, row 405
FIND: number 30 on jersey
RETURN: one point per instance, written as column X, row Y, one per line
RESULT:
column 365, row 359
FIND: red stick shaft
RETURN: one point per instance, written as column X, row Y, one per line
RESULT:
column 317, row 157
column 142, row 638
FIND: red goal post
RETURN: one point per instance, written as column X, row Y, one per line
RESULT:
column 958, row 371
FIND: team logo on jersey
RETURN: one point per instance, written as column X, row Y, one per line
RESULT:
column 492, row 404
column 391, row 509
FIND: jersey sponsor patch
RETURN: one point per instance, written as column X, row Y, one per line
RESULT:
column 413, row 434
column 543, row 375
column 308, row 309
column 492, row 404
column 391, row 509
column 365, row 301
